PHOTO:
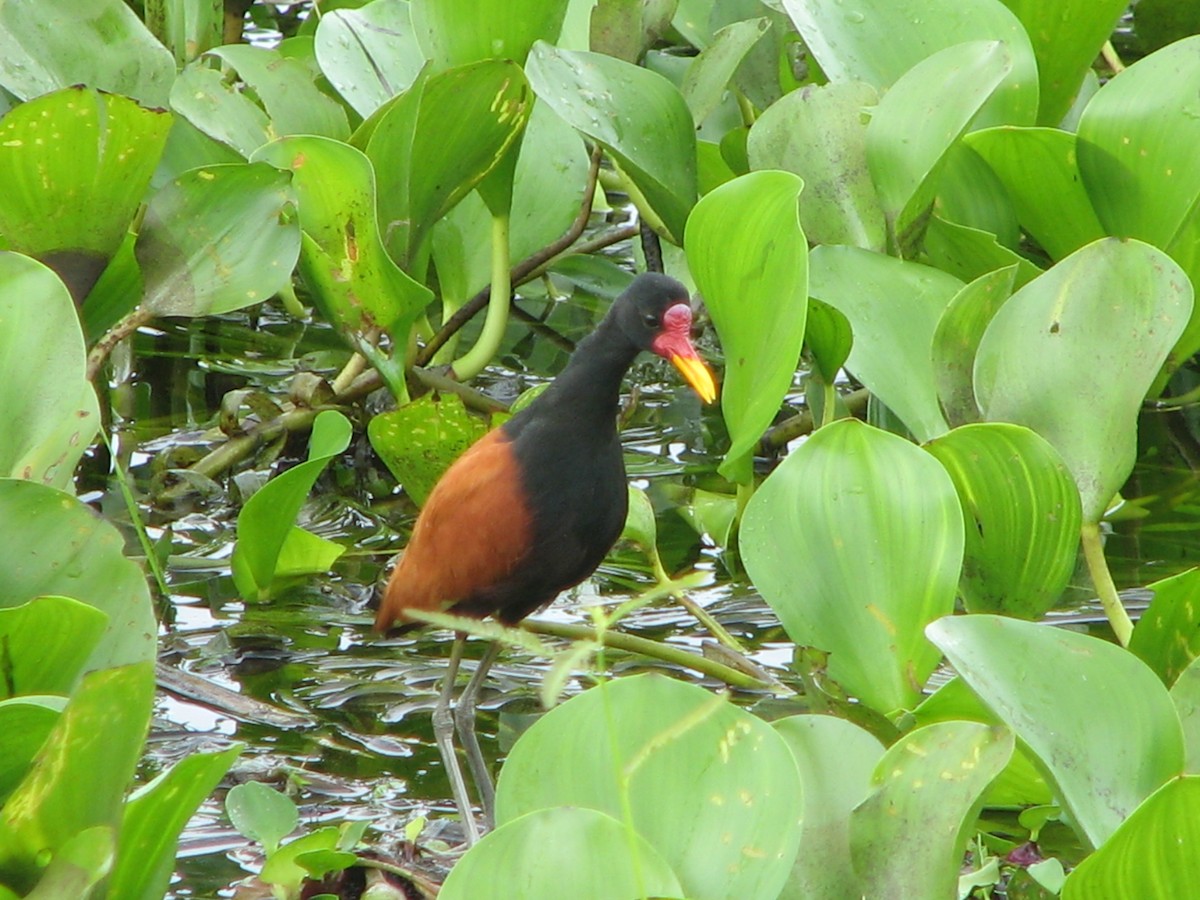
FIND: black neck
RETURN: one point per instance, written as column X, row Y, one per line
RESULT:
column 590, row 385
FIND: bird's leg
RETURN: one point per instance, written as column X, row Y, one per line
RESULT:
column 443, row 734
column 464, row 720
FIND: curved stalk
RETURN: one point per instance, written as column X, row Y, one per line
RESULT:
column 1106, row 589
column 473, row 361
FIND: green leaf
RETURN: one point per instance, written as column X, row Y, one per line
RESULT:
column 267, row 519
column 54, row 44
column 74, row 166
column 218, row 239
column 709, row 73
column 154, row 818
column 918, row 121
column 1167, row 637
column 202, row 97
column 261, row 813
column 637, row 115
column 1152, row 854
column 829, row 338
column 81, row 773
column 968, row 253
column 25, row 723
column 1044, row 683
column 46, row 643
column 1097, row 327
column 711, row 787
column 894, row 308
column 855, row 541
column 818, row 132
column 594, row 853
column 904, row 838
column 1022, row 517
column 78, row 866
column 455, row 32
column 53, row 545
column 353, row 281
column 283, row 867
column 749, row 258
column 1185, row 694
column 370, row 54
column 836, row 760
column 51, row 413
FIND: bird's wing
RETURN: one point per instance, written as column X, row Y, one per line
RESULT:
column 474, row 530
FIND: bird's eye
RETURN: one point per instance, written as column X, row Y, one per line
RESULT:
column 650, row 319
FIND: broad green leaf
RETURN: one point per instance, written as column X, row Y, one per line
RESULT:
column 354, row 282
column 54, row 44
column 261, row 813
column 419, row 441
column 819, row 132
column 202, row 97
column 267, row 518
column 1066, row 36
column 46, row 643
column 456, row 32
column 1167, row 637
column 1022, row 517
column 154, row 818
column 51, row 413
column 710, row 786
column 283, row 867
column 1099, row 720
column 304, row 553
column 880, row 40
column 74, row 166
column 1040, row 172
column 594, row 853
column 956, row 341
column 709, row 73
column 837, row 760
column 917, row 122
column 82, row 772
column 25, row 723
column 53, row 545
column 1185, row 694
column 625, row 29
column 1097, row 327
column 905, row 837
column 969, row 193
column 893, row 308
column 968, row 253
column 1152, row 854
column 856, row 541
column 637, row 115
column 1157, row 23
column 749, row 258
column 1135, row 140
column 370, row 54
column 78, row 866
column 829, row 339
column 218, row 239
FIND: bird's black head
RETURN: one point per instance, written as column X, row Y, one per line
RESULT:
column 655, row 315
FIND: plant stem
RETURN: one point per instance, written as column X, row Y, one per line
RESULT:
column 470, row 364
column 116, row 334
column 1106, row 589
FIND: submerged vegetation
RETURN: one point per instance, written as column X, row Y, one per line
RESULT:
column 961, row 235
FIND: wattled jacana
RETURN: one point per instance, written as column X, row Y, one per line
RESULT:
column 534, row 506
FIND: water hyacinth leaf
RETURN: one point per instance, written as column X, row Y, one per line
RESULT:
column 956, row 341
column 829, row 338
column 893, row 308
column 1039, row 170
column 201, row 96
column 880, row 40
column 748, row 256
column 54, row 44
column 25, row 723
column 856, row 541
column 218, row 239
column 819, row 132
column 419, row 441
column 74, row 166
column 1022, row 516
column 369, row 54
column 1167, row 637
column 692, row 768
column 261, row 813
column 83, row 770
column 155, row 815
column 1097, row 326
column 56, row 546
column 904, row 837
column 709, row 73
column 354, row 282
column 78, row 866
column 593, row 852
column 917, row 122
column 637, row 115
column 968, row 253
column 47, row 641
column 1099, row 719
column 969, row 193
column 1185, row 694
column 456, row 32
column 1066, row 38
column 837, row 760
column 625, row 29
column 51, row 411
column 1152, row 854
column 267, row 518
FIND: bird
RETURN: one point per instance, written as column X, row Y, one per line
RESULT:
column 533, row 507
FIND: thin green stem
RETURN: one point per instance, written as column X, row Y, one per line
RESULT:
column 1106, row 589
column 471, row 363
